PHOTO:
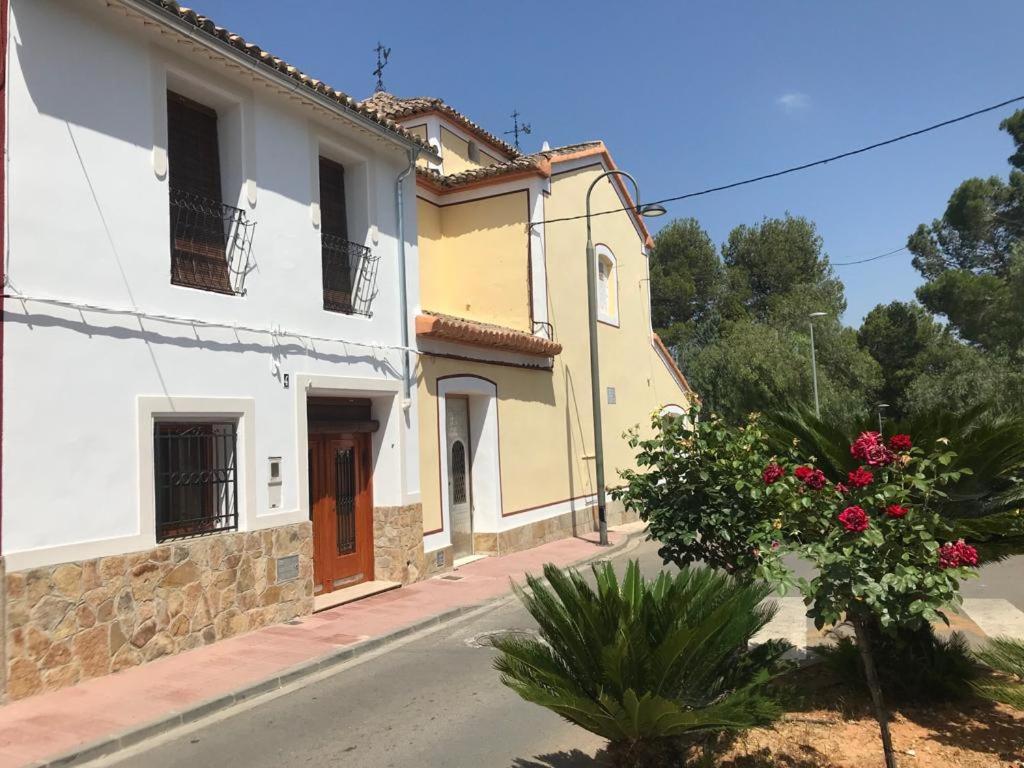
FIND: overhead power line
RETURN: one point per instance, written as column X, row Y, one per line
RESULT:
column 893, row 252
column 804, row 166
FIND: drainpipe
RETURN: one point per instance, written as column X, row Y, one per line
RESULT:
column 403, row 294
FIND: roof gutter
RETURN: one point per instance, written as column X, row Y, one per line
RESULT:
column 402, row 292
column 160, row 16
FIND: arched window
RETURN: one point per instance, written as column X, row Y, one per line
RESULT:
column 607, row 286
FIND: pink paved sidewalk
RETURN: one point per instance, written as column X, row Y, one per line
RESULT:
column 44, row 727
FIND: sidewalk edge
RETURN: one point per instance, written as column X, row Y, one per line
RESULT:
column 108, row 745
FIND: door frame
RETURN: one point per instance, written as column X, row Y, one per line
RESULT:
column 468, row 461
column 486, row 466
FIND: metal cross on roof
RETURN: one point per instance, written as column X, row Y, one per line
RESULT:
column 382, row 61
column 518, row 128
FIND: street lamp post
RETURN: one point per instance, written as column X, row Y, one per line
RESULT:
column 814, row 362
column 881, row 407
column 595, row 373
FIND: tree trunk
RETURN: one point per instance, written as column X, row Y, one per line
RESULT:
column 864, row 645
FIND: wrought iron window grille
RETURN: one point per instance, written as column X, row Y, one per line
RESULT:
column 349, row 276
column 211, row 243
column 196, row 476
column 345, row 500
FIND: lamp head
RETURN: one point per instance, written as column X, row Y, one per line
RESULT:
column 651, row 210
column 818, row 314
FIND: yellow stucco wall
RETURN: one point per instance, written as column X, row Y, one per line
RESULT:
column 455, row 153
column 488, row 159
column 474, row 259
column 545, row 433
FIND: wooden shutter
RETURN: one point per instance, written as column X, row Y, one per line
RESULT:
column 336, row 256
column 198, row 219
column 333, row 217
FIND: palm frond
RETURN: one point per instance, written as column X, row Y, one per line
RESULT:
column 1005, row 656
column 645, row 659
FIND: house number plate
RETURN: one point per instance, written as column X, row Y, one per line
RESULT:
column 287, row 568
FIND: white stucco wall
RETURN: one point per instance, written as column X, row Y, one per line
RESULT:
column 88, row 223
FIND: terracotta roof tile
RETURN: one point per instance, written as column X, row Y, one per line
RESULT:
column 538, row 161
column 387, row 105
column 433, row 325
column 206, row 25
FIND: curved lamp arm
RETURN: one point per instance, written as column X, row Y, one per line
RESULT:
column 606, row 174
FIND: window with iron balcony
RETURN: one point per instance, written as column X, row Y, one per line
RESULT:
column 210, row 240
column 349, row 269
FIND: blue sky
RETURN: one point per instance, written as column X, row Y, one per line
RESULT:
column 690, row 95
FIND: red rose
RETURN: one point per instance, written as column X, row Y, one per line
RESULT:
column 772, row 473
column 957, row 555
column 878, row 455
column 816, row 480
column 865, row 441
column 841, row 489
column 811, row 477
column 900, row 442
column 895, row 510
column 860, row 478
column 854, row 519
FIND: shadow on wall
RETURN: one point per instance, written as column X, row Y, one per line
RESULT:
column 278, row 351
column 576, row 464
column 50, row 46
column 113, row 96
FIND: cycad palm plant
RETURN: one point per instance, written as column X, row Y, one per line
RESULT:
column 648, row 665
column 1006, row 656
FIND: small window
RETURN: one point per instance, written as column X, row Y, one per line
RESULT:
column 474, row 152
column 458, row 471
column 200, row 222
column 604, row 276
column 196, row 478
column 607, row 287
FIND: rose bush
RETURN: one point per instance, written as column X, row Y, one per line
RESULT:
column 720, row 494
column 712, row 495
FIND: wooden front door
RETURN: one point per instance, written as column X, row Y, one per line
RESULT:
column 341, row 505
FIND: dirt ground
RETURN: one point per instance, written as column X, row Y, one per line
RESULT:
column 971, row 735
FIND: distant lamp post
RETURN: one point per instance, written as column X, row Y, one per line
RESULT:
column 881, row 407
column 595, row 377
column 814, row 362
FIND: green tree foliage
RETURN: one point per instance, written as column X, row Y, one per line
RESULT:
column 926, row 369
column 738, row 323
column 686, row 283
column 972, row 259
column 648, row 665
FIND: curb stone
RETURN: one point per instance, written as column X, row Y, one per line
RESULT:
column 108, row 745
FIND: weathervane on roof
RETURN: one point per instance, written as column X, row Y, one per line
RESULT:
column 382, row 61
column 518, row 128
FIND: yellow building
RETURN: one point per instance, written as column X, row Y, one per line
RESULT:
column 506, row 438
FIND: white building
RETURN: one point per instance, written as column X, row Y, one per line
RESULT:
column 204, row 316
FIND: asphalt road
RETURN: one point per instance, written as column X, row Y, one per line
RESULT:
column 432, row 701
